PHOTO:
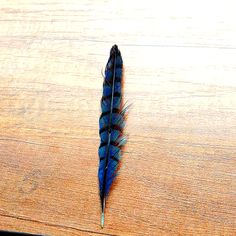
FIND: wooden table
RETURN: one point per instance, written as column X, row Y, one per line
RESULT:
column 178, row 171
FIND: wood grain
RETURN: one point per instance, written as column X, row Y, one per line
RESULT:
column 178, row 172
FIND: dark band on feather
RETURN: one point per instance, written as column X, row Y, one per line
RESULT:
column 115, row 158
column 114, row 110
column 112, row 143
column 112, row 157
column 106, row 128
column 117, row 79
column 116, row 94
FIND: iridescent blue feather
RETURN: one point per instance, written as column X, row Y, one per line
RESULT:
column 111, row 125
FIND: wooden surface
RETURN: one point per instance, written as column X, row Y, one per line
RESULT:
column 178, row 172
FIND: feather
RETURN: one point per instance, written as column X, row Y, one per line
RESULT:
column 111, row 124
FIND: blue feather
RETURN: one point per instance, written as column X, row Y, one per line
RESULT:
column 111, row 125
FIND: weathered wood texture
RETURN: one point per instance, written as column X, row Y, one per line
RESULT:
column 178, row 172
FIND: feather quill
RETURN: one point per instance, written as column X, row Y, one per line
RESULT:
column 111, row 124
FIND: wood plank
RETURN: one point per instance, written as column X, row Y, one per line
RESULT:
column 178, row 171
